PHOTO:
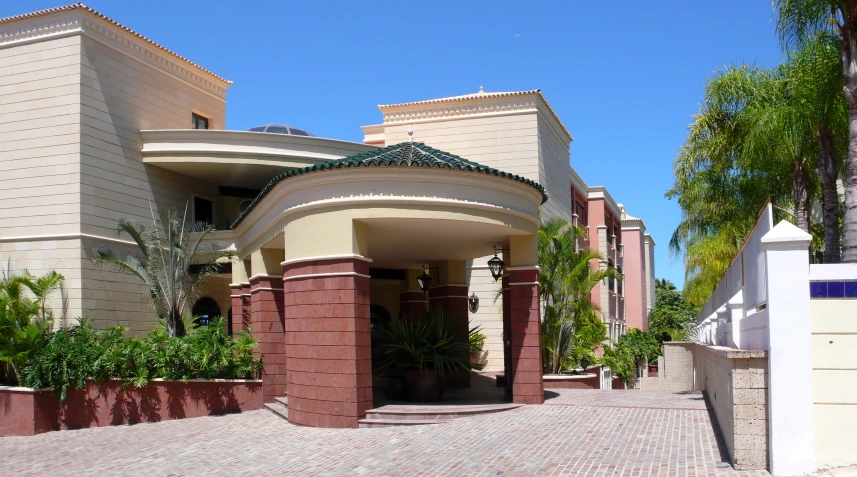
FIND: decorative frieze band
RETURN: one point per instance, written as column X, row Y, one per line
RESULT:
column 326, row 275
column 128, row 42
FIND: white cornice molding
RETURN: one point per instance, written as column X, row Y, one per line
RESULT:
column 81, row 22
column 414, row 113
column 344, row 256
column 72, row 236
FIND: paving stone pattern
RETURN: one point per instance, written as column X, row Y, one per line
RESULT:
column 577, row 432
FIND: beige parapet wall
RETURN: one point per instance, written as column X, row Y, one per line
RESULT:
column 834, row 376
column 735, row 383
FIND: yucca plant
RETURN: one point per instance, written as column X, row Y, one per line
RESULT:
column 423, row 344
column 170, row 261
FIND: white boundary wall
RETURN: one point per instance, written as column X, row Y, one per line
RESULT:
column 763, row 303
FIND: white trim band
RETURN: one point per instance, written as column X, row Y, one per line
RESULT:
column 326, row 257
column 34, row 238
column 324, row 275
column 265, row 275
column 525, row 283
column 524, row 267
column 264, row 289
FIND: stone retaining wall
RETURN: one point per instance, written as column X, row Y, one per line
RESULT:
column 736, row 384
column 26, row 412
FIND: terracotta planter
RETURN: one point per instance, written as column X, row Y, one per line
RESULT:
column 653, row 368
column 424, row 385
column 395, row 388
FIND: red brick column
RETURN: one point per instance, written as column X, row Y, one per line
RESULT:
column 412, row 304
column 507, row 333
column 327, row 342
column 525, row 324
column 266, row 322
column 452, row 299
column 237, row 308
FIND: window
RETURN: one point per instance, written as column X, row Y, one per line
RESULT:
column 205, row 310
column 611, row 282
column 199, row 122
column 202, row 210
column 580, row 210
column 619, row 290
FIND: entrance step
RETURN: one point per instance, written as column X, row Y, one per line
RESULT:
column 403, row 415
column 369, row 423
column 280, row 407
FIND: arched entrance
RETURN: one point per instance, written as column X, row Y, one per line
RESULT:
column 399, row 208
column 205, row 310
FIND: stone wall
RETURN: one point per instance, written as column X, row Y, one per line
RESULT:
column 675, row 369
column 736, row 384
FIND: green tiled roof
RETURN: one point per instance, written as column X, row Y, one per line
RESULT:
column 408, row 154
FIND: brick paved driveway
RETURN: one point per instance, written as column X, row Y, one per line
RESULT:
column 577, row 432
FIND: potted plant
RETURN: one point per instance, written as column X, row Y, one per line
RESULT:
column 477, row 341
column 424, row 351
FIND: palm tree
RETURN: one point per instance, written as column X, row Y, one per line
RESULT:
column 570, row 326
column 169, row 262
column 44, row 286
column 664, row 284
column 23, row 320
column 798, row 23
column 743, row 149
column 814, row 76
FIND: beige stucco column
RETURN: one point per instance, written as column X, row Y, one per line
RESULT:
column 412, row 300
column 240, row 294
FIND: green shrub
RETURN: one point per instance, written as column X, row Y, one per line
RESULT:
column 424, row 344
column 67, row 358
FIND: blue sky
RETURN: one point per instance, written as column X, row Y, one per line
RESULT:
column 625, row 77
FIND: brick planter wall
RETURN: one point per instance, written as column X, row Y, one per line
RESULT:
column 26, row 412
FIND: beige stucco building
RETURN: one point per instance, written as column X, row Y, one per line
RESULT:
column 98, row 123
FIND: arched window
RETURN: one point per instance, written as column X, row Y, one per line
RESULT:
column 204, row 310
column 243, row 206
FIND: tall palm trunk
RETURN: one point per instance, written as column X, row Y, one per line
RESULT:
column 849, row 219
column 800, row 194
column 828, row 168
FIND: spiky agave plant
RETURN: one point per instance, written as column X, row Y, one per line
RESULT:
column 170, row 261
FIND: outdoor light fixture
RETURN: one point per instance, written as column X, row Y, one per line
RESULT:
column 584, row 363
column 496, row 264
column 473, row 302
column 424, row 280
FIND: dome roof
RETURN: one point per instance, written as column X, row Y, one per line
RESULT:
column 282, row 129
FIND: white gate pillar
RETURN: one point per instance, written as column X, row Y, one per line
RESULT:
column 791, row 422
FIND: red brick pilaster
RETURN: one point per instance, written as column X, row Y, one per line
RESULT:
column 327, row 342
column 507, row 333
column 525, row 324
column 412, row 304
column 266, row 322
column 244, row 318
column 237, row 308
column 452, row 299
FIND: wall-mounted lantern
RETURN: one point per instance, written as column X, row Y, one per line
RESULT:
column 424, row 280
column 473, row 302
column 496, row 264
